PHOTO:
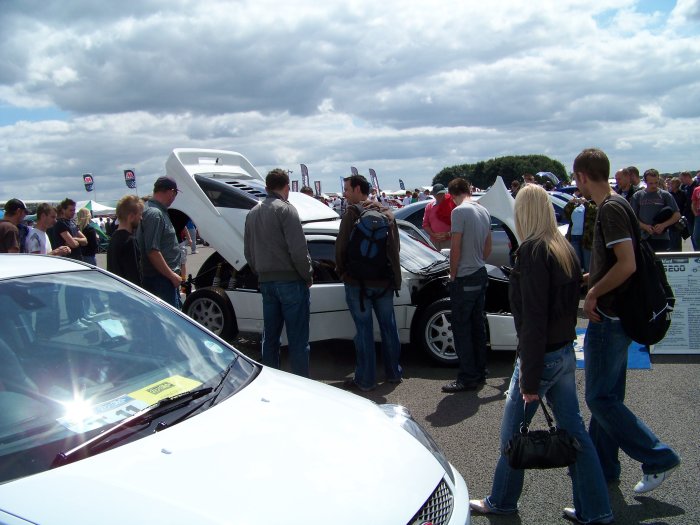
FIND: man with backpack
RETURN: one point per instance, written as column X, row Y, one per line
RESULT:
column 367, row 260
column 613, row 425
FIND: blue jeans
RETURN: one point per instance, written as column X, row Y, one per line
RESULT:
column 381, row 301
column 286, row 304
column 160, row 286
column 467, row 298
column 584, row 255
column 613, row 425
column 558, row 384
column 695, row 237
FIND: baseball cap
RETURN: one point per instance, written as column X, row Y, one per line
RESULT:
column 165, row 184
column 13, row 205
column 438, row 189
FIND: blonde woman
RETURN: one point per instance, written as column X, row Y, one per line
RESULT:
column 85, row 226
column 544, row 296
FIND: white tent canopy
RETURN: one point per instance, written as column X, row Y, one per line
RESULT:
column 96, row 208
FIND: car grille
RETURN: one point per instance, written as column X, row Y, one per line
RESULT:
column 438, row 509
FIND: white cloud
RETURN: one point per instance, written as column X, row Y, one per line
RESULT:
column 406, row 88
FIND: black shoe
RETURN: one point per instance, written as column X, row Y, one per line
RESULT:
column 394, row 381
column 458, row 386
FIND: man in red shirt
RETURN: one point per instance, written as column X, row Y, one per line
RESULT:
column 437, row 228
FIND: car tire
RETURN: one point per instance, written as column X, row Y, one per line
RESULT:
column 211, row 308
column 434, row 332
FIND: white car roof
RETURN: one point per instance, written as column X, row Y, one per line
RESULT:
column 21, row 265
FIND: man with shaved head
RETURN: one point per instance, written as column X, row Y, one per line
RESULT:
column 624, row 185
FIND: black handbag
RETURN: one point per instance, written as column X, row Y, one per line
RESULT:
column 553, row 448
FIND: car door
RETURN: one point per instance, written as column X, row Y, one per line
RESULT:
column 329, row 319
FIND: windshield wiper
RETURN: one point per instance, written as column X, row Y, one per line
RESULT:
column 114, row 435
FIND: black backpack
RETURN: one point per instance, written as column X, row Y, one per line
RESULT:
column 646, row 301
column 367, row 248
column 23, row 230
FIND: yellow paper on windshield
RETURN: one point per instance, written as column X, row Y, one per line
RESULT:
column 168, row 387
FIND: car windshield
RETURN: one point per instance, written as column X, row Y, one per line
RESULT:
column 416, row 257
column 81, row 352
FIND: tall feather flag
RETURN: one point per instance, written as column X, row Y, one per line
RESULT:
column 375, row 179
column 317, row 186
column 402, row 185
column 342, row 185
column 88, row 181
column 130, row 179
column 304, row 175
column 295, row 185
column 353, row 170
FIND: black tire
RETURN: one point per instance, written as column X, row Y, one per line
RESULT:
column 211, row 308
column 433, row 332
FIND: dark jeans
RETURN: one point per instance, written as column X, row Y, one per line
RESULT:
column 467, row 297
column 286, row 304
column 676, row 244
column 161, row 287
column 659, row 245
column 614, row 426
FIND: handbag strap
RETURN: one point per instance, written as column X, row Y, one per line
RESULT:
column 550, row 422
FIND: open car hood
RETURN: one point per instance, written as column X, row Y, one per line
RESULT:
column 218, row 188
column 500, row 204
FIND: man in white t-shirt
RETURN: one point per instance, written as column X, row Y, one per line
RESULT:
column 37, row 239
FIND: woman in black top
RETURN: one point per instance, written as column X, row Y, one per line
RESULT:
column 85, row 225
column 544, row 296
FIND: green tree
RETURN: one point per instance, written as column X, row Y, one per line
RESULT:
column 483, row 173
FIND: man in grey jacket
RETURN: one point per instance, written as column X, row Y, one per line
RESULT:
column 275, row 248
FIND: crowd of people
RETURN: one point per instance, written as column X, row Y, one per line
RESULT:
column 598, row 251
column 148, row 243
column 544, row 295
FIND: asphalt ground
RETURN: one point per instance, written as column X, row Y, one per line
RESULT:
column 466, row 425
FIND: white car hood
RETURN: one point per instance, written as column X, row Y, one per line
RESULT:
column 283, row 450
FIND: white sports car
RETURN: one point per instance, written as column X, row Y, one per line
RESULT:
column 218, row 189
column 117, row 409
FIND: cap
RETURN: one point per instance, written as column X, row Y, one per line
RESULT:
column 13, row 205
column 438, row 189
column 165, row 184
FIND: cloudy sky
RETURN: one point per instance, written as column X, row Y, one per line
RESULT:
column 404, row 87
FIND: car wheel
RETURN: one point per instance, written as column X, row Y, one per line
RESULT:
column 434, row 331
column 211, row 308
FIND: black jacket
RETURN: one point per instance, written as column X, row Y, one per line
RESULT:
column 544, row 302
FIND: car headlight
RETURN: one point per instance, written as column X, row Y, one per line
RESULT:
column 400, row 415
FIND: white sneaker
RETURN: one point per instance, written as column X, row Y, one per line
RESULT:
column 570, row 514
column 651, row 481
